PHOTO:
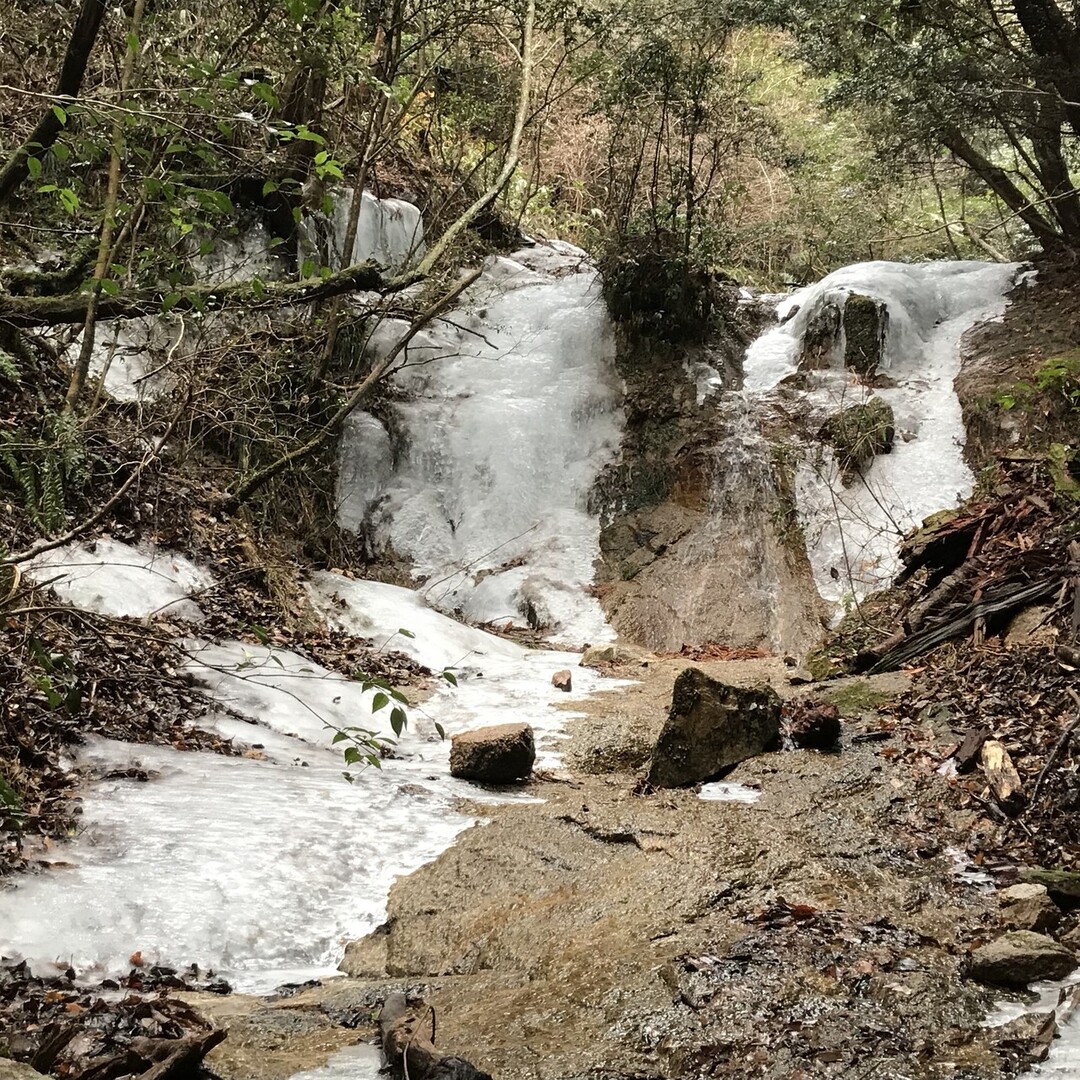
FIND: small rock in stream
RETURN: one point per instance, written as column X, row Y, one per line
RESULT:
column 493, row 755
column 563, row 680
column 1019, row 958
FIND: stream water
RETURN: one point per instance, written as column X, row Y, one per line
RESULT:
column 477, row 475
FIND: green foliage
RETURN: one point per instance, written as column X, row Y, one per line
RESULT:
column 669, row 296
column 1060, row 377
column 12, row 813
column 962, row 78
column 45, row 468
column 57, row 678
column 9, row 367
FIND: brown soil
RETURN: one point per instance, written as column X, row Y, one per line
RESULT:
column 1042, row 321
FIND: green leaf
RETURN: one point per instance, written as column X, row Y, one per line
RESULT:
column 269, row 187
column 60, row 152
column 341, row 736
column 352, row 756
column 450, row 677
column 33, row 167
column 405, row 633
column 265, row 92
column 440, row 730
column 170, row 301
column 60, row 114
column 379, row 701
column 109, row 287
column 308, row 268
column 397, row 720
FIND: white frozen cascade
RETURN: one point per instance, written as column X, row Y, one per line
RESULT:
column 1062, row 999
column 137, row 359
column 852, row 531
column 263, row 866
column 481, row 476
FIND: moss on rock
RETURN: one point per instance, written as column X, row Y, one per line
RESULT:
column 865, row 323
column 858, row 433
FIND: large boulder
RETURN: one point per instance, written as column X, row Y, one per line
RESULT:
column 1019, row 958
column 712, row 726
column 1028, row 907
column 493, row 755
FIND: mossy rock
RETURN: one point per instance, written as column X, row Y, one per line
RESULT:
column 1058, row 883
column 866, row 322
column 664, row 296
column 858, row 697
column 822, row 666
column 858, row 433
column 1062, row 463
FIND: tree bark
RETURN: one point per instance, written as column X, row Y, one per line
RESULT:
column 1004, row 188
column 83, row 37
column 27, row 312
column 1002, row 777
column 108, row 221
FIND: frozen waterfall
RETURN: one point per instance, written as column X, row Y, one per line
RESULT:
column 480, row 472
column 852, row 530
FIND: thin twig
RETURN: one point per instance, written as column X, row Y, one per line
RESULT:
column 1058, row 750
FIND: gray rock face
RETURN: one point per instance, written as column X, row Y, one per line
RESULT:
column 368, row 957
column 16, row 1070
column 597, row 655
column 493, row 755
column 1029, row 907
column 710, row 727
column 1019, row 958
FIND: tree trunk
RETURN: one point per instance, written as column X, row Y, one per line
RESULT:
column 81, row 44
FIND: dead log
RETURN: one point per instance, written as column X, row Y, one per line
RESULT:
column 189, row 1051
column 1005, row 599
column 408, row 1045
column 1002, row 777
column 26, row 312
column 155, row 1059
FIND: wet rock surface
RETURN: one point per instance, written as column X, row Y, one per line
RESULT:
column 810, row 933
column 710, row 727
column 692, row 544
